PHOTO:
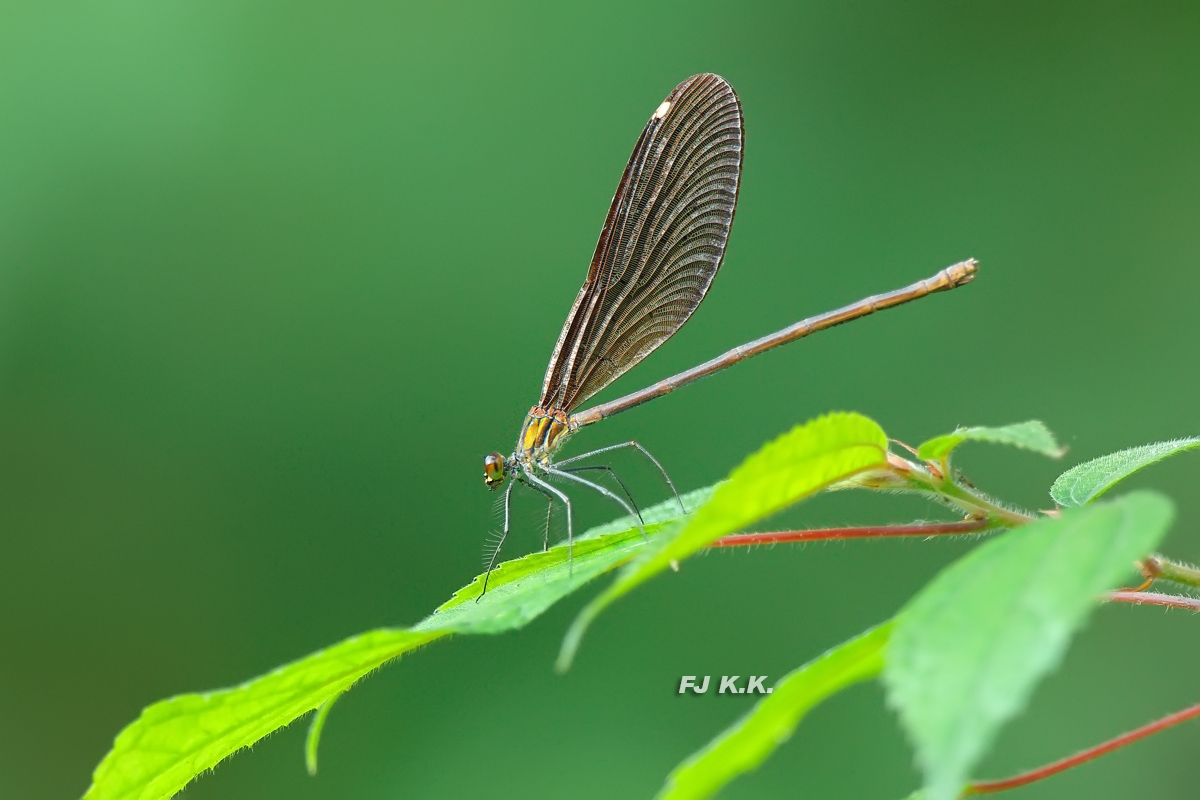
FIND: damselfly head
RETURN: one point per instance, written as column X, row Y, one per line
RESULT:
column 494, row 471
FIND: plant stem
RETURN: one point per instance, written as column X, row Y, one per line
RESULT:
column 1154, row 599
column 1025, row 778
column 937, row 482
column 864, row 532
column 1159, row 566
column 967, row 499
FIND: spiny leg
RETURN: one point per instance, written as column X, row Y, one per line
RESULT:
column 549, row 508
column 545, row 487
column 569, row 476
column 620, row 483
column 641, row 450
column 499, row 544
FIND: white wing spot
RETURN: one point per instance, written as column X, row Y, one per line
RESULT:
column 662, row 110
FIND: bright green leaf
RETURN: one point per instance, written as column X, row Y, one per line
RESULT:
column 176, row 739
column 969, row 649
column 799, row 463
column 313, row 739
column 1083, row 483
column 746, row 744
column 1031, row 435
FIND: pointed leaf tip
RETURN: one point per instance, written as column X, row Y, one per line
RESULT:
column 1030, row 435
column 313, row 739
column 1085, row 482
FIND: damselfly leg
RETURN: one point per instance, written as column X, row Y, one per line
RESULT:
column 607, row 493
column 613, row 474
column 500, row 543
column 549, row 507
column 641, row 450
column 538, row 483
column 551, row 493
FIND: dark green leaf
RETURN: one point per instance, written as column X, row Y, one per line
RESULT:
column 969, row 649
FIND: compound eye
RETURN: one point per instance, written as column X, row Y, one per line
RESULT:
column 493, row 470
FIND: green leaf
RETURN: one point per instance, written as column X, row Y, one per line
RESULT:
column 314, row 734
column 1085, row 482
column 176, row 739
column 746, row 744
column 799, row 463
column 1031, row 435
column 969, row 649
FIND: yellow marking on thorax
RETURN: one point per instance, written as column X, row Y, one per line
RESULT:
column 533, row 433
column 543, row 432
column 557, row 428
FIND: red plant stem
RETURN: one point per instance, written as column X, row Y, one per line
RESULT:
column 987, row 787
column 867, row 532
column 1154, row 599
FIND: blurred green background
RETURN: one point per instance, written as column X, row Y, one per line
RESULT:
column 274, row 278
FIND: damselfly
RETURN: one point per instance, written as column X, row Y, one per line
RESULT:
column 659, row 250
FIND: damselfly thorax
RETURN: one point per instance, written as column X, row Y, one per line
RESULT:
column 544, row 431
column 659, row 250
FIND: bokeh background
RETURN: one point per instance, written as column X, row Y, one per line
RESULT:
column 274, row 277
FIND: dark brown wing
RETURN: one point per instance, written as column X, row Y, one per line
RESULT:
column 661, row 244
